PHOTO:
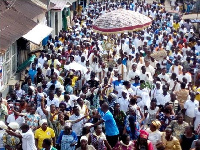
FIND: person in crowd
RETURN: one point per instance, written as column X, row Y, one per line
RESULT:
column 27, row 137
column 3, row 127
column 178, row 126
column 46, row 145
column 98, row 139
column 67, row 138
column 170, row 142
column 125, row 143
column 154, row 134
column 143, row 142
column 85, row 145
column 9, row 141
column 187, row 138
column 42, row 133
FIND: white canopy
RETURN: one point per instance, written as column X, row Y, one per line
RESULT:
column 38, row 33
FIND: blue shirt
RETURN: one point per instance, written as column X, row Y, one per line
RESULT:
column 117, row 83
column 32, row 74
column 110, row 124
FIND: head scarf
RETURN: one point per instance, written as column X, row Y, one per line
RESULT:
column 144, row 134
column 42, row 122
column 13, row 125
column 157, row 124
column 3, row 125
column 84, row 138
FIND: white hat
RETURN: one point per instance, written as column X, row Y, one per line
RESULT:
column 84, row 138
column 32, row 88
column 88, row 124
column 13, row 125
column 42, row 122
column 3, row 125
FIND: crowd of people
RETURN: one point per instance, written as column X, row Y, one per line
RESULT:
column 117, row 99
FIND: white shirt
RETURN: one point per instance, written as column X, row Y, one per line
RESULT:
column 132, row 74
column 11, row 118
column 187, row 76
column 165, row 77
column 154, row 137
column 155, row 92
column 123, row 104
column 77, row 127
column 190, row 107
column 162, row 100
column 42, row 60
column 55, row 101
column 28, row 140
column 146, row 77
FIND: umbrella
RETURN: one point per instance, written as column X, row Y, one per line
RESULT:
column 121, row 20
column 76, row 66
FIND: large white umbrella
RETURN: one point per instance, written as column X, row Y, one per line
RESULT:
column 76, row 66
column 121, row 20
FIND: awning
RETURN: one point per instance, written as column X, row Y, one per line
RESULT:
column 71, row 1
column 38, row 33
column 26, row 63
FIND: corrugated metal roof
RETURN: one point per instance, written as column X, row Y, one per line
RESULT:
column 59, row 4
column 16, row 20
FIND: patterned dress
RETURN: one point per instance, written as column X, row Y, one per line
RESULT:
column 33, row 121
column 11, row 141
column 121, row 146
column 98, row 141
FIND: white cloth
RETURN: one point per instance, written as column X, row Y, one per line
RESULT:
column 77, row 127
column 28, row 141
column 197, row 120
column 165, row 77
column 190, row 107
column 123, row 104
column 162, row 100
column 11, row 118
column 55, row 101
column 154, row 137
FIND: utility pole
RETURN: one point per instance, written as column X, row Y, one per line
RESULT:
column 48, row 13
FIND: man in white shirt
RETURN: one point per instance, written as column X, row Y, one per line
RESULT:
column 122, row 69
column 132, row 73
column 42, row 59
column 146, row 76
column 27, row 136
column 78, row 121
column 157, row 90
column 124, row 101
column 189, row 107
column 52, row 100
column 186, row 75
column 14, row 117
column 164, row 97
column 163, row 76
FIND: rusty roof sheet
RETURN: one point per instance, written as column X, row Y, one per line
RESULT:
column 59, row 4
column 16, row 20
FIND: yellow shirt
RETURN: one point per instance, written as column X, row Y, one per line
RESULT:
column 61, row 98
column 176, row 26
column 41, row 135
column 74, row 79
column 197, row 90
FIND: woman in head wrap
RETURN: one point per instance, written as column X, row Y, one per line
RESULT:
column 125, row 143
column 154, row 133
column 67, row 138
column 98, row 139
column 12, row 142
column 143, row 143
column 42, row 133
column 2, row 131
